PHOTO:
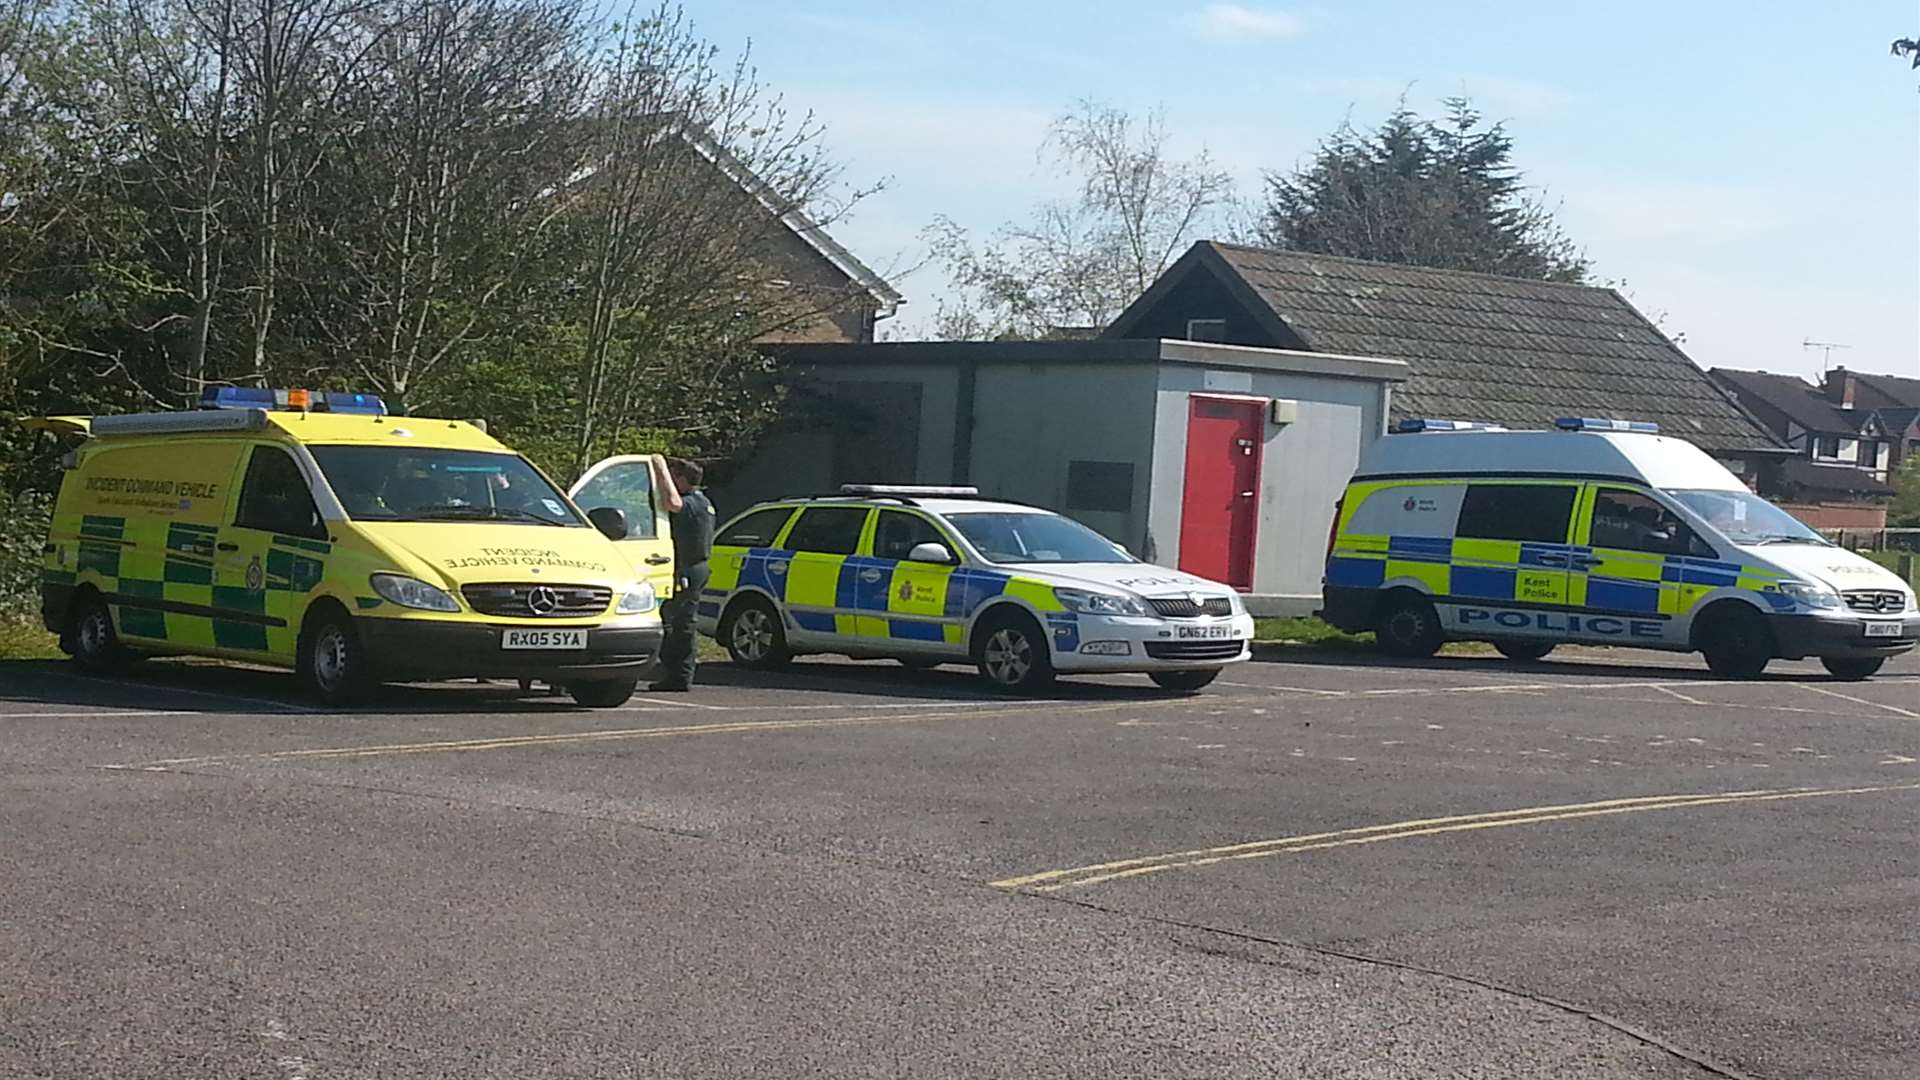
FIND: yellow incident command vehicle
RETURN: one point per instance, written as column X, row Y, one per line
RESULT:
column 315, row 532
column 1604, row 532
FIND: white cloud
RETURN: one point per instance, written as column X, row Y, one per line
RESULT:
column 1233, row 23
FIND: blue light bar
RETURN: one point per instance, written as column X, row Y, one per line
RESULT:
column 1584, row 423
column 254, row 397
column 1412, row 427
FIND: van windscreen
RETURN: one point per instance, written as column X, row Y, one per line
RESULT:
column 386, row 483
column 1746, row 518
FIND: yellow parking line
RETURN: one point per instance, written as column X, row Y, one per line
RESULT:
column 1082, row 876
column 564, row 738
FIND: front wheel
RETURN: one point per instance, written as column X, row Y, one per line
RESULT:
column 335, row 665
column 1409, row 628
column 753, row 635
column 1852, row 668
column 1012, row 653
column 1184, row 681
column 93, row 642
column 1524, row 650
column 1736, row 643
column 603, row 695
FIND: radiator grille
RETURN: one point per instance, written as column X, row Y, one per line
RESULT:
column 538, row 601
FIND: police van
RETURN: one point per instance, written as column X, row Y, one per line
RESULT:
column 1600, row 532
column 935, row 575
column 313, row 531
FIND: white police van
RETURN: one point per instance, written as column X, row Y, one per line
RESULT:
column 1602, row 532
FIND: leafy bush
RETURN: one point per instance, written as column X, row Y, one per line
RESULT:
column 23, row 532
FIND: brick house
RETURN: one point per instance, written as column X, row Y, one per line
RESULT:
column 1850, row 434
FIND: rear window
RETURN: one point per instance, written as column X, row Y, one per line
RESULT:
column 756, row 530
column 1536, row 512
column 828, row 530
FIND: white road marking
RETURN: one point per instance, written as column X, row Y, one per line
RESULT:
column 103, row 711
column 1895, row 709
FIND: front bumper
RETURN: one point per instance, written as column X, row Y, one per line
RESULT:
column 1796, row 637
column 410, row 649
column 1149, row 644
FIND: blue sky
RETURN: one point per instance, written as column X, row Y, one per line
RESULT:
column 1750, row 171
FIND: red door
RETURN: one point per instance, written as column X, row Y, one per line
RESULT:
column 1221, row 508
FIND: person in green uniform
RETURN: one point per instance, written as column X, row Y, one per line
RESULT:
column 693, row 523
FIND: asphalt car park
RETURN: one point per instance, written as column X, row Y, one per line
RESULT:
column 1320, row 867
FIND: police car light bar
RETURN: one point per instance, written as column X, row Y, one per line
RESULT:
column 1413, row 427
column 925, row 491
column 254, row 397
column 1582, row 423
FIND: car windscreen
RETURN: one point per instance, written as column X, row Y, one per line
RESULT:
column 390, row 483
column 1035, row 538
column 1746, row 518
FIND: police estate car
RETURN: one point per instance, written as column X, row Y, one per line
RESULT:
column 929, row 576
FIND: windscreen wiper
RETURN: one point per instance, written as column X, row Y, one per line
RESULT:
column 487, row 513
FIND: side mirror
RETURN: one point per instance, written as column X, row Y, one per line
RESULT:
column 610, row 520
column 931, row 553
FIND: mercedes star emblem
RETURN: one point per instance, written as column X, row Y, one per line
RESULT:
column 542, row 600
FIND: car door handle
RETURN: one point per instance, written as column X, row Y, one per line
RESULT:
column 1586, row 562
column 1552, row 560
column 224, row 546
column 869, row 576
column 658, row 560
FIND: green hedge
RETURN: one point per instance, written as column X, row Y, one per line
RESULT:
column 23, row 533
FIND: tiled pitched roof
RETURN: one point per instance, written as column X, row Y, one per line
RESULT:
column 1841, row 481
column 1799, row 400
column 1886, row 391
column 1481, row 347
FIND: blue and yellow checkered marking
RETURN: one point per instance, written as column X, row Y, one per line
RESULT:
column 1629, row 582
column 872, row 597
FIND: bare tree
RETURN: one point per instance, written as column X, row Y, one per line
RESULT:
column 1075, row 264
column 467, row 127
column 694, row 173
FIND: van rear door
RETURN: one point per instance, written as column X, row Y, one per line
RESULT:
column 1511, row 558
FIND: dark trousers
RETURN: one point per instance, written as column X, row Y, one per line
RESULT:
column 677, row 652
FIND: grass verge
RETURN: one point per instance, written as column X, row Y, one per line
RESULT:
column 1314, row 634
column 26, row 641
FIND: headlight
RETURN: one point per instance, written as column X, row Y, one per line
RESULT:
column 413, row 593
column 1808, row 594
column 638, row 600
column 1094, row 603
column 1235, row 604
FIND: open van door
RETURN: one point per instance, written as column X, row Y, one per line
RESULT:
column 626, row 484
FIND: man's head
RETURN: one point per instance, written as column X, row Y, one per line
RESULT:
column 686, row 474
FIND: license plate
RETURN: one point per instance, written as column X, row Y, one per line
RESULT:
column 1205, row 632
column 1883, row 629
column 543, row 639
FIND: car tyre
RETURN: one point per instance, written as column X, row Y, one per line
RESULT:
column 1185, row 682
column 754, row 636
column 1012, row 653
column 604, row 694
column 1852, row 668
column 334, row 663
column 93, row 642
column 1524, row 651
column 1736, row 642
column 1409, row 628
